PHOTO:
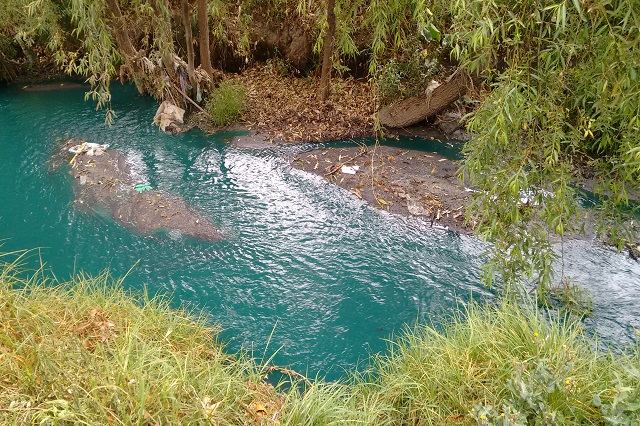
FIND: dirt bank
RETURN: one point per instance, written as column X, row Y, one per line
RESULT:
column 103, row 182
column 48, row 87
column 281, row 108
column 401, row 181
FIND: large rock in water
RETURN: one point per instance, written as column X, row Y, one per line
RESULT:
column 410, row 111
column 104, row 183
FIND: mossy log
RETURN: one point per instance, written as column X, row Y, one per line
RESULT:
column 416, row 109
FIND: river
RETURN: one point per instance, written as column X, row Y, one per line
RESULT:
column 307, row 268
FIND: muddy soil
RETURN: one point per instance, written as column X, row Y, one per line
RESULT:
column 401, row 181
column 104, row 183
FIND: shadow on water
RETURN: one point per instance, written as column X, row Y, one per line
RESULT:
column 328, row 277
column 448, row 148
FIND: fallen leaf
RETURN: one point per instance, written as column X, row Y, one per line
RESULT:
column 209, row 406
column 260, row 409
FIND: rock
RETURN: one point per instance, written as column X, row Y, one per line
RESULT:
column 416, row 209
column 107, row 184
column 450, row 122
column 168, row 117
column 292, row 42
column 452, row 125
column 461, row 135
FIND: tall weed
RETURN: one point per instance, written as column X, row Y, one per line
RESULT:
column 226, row 104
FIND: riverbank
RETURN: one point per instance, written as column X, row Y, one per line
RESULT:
column 88, row 351
column 282, row 108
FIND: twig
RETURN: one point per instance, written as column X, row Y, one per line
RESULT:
column 288, row 372
column 82, row 147
column 334, row 169
column 191, row 100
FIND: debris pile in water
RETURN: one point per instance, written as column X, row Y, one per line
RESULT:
column 104, row 183
column 169, row 117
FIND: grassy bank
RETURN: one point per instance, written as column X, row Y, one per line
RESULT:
column 506, row 365
column 87, row 352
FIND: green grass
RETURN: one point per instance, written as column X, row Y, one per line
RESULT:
column 85, row 352
column 493, row 362
column 88, row 352
column 226, row 104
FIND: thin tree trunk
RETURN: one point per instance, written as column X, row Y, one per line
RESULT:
column 327, row 52
column 167, row 57
column 124, row 43
column 188, row 35
column 203, row 30
column 31, row 57
column 121, row 33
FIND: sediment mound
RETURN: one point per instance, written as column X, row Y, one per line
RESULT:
column 103, row 182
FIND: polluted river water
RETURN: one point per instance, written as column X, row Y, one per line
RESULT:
column 306, row 270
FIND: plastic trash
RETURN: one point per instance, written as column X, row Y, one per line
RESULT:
column 88, row 148
column 142, row 187
column 350, row 170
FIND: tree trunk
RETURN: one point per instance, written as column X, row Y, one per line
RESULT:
column 414, row 110
column 125, row 44
column 28, row 52
column 188, row 35
column 159, row 7
column 203, row 30
column 121, row 33
column 327, row 52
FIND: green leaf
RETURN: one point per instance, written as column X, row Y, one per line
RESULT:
column 576, row 4
column 434, row 32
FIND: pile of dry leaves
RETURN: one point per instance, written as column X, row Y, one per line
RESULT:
column 285, row 108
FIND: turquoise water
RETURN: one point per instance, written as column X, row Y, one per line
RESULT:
column 327, row 276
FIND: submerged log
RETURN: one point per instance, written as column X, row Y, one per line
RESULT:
column 104, row 183
column 414, row 110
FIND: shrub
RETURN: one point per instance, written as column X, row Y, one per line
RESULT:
column 226, row 103
column 402, row 79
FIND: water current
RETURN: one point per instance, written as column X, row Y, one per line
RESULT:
column 326, row 276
